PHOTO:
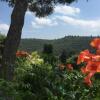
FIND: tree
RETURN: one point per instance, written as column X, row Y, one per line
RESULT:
column 48, row 54
column 48, row 49
column 41, row 8
column 63, row 57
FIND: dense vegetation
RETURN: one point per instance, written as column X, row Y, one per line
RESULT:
column 70, row 44
column 35, row 79
column 33, row 76
column 49, row 77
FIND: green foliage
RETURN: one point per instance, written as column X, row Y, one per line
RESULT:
column 73, row 60
column 2, row 41
column 63, row 57
column 45, row 81
column 48, row 49
column 72, row 44
column 50, row 59
column 36, row 59
column 25, row 64
column 6, row 89
column 48, row 54
column 2, row 37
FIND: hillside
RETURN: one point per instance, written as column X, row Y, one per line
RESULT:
column 68, row 43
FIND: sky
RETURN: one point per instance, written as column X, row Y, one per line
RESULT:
column 79, row 18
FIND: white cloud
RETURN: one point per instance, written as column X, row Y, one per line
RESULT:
column 40, row 22
column 67, row 15
column 4, row 28
column 35, row 25
column 94, row 24
column 28, row 13
column 66, row 10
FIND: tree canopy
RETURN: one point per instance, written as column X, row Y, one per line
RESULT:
column 41, row 8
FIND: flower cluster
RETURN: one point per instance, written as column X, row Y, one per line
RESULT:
column 92, row 61
column 67, row 66
column 21, row 54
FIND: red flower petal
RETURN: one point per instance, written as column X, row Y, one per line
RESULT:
column 83, row 69
column 95, row 43
column 84, row 56
column 96, row 58
column 98, row 52
column 93, row 66
column 69, row 66
column 87, row 78
column 21, row 54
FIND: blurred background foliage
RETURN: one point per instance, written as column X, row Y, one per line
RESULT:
column 39, row 77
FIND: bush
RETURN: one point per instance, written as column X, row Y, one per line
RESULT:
column 43, row 81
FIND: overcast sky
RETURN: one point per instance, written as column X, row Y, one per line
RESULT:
column 81, row 18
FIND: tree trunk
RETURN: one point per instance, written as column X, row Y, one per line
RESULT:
column 13, row 39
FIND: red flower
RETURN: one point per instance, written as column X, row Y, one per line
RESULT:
column 95, row 43
column 92, row 61
column 69, row 66
column 61, row 66
column 21, row 54
column 83, row 70
column 98, row 52
column 96, row 58
column 88, row 77
column 93, row 66
column 84, row 56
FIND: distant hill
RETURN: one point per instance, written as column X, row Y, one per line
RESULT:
column 68, row 43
